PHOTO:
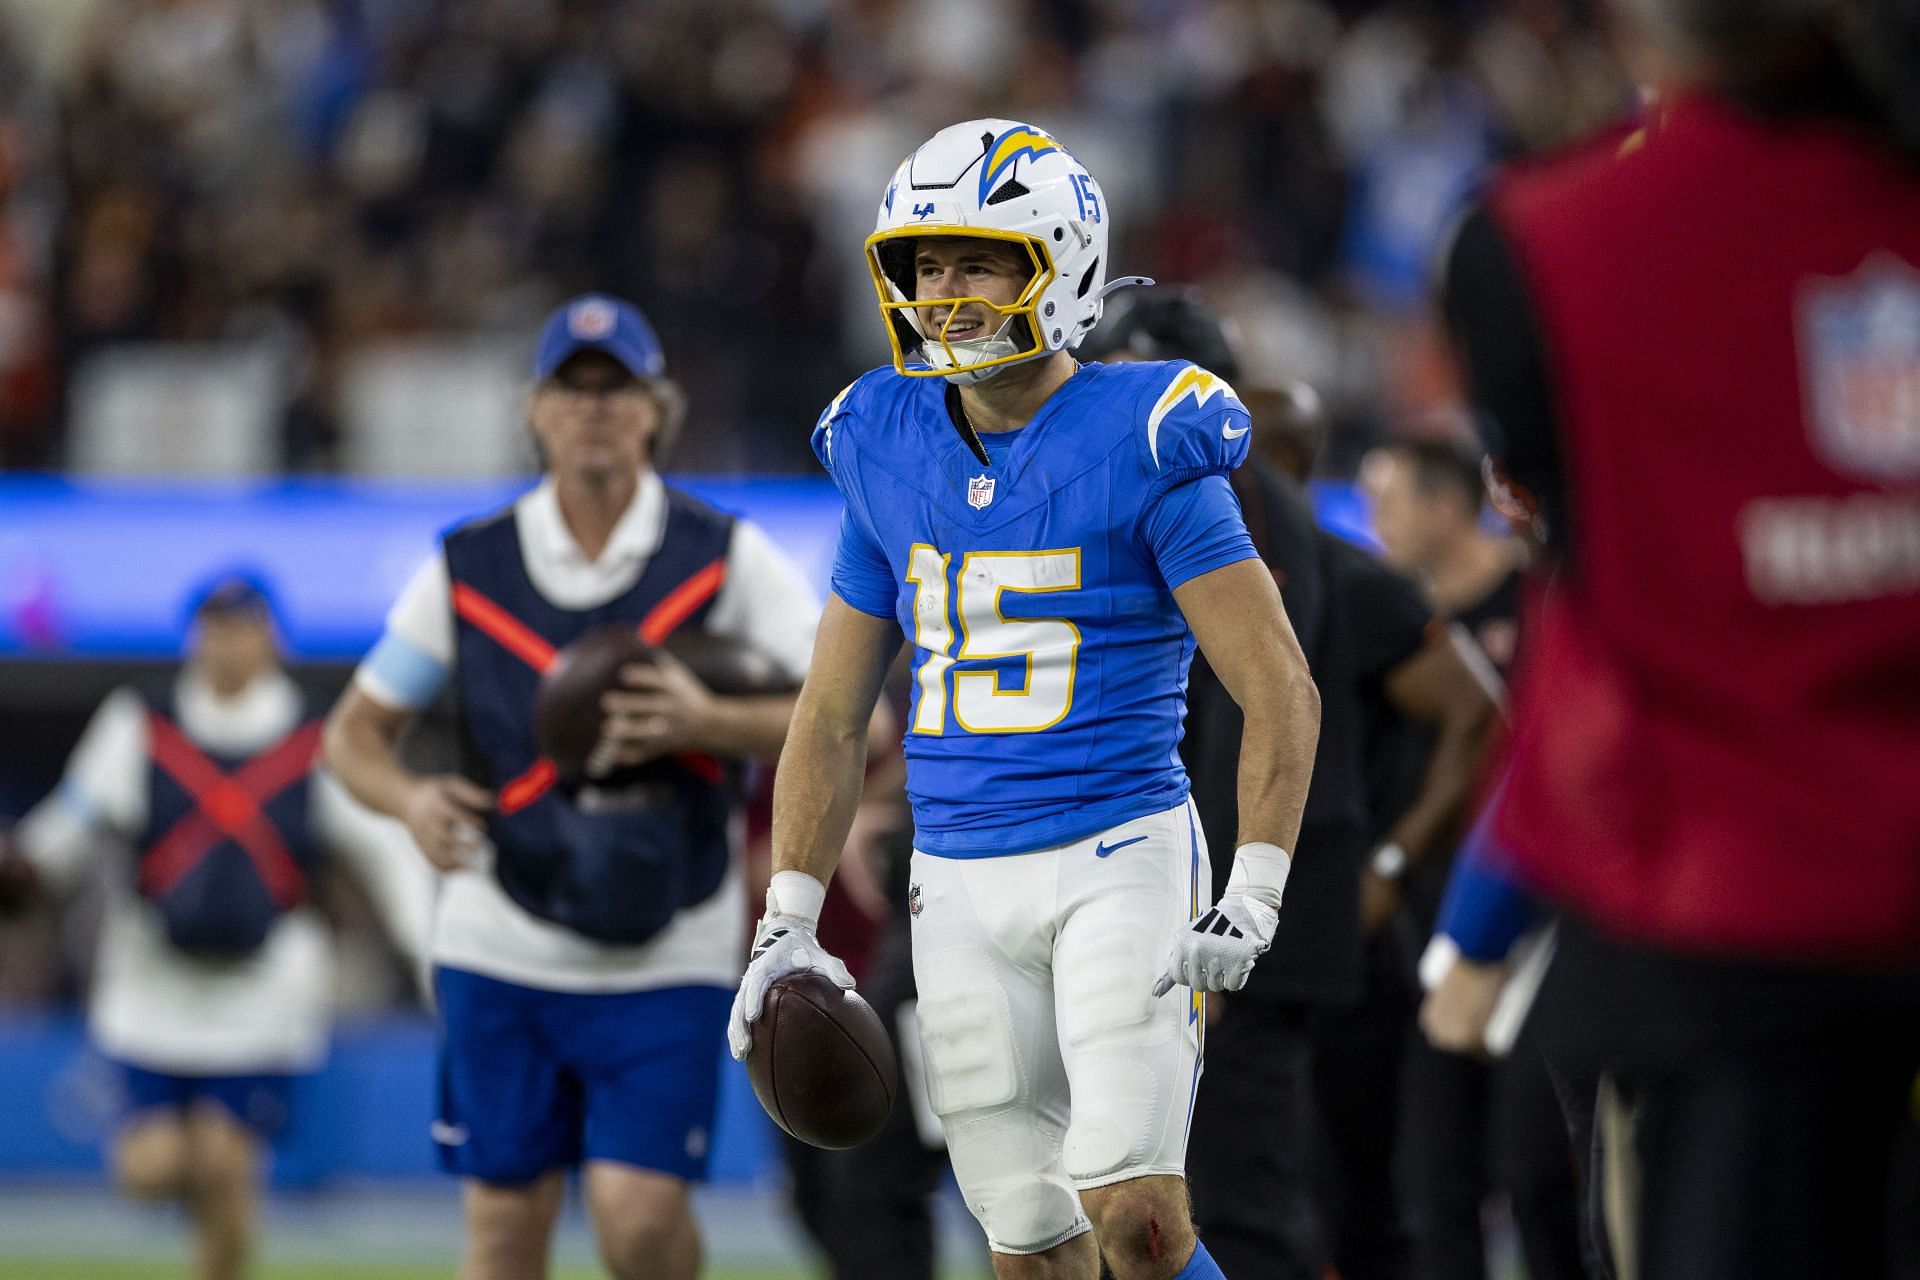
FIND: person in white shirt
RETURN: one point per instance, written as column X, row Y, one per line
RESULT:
column 588, row 935
column 214, row 977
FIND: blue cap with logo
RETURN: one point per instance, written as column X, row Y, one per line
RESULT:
column 599, row 322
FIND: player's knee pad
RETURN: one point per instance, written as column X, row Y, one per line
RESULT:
column 1033, row 1218
column 966, row 1032
column 1011, row 1178
column 1119, row 1115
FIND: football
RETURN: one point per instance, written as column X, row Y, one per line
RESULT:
column 566, row 711
column 821, row 1062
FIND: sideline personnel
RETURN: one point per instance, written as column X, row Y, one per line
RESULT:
column 587, row 941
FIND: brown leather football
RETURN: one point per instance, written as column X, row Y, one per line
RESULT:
column 821, row 1062
column 566, row 711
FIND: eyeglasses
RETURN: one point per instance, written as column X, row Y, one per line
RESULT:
column 580, row 394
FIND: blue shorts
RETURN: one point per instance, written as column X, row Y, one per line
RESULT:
column 261, row 1103
column 535, row 1080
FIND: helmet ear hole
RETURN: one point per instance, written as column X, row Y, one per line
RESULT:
column 1086, row 281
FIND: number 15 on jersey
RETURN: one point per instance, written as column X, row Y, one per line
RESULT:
column 982, row 700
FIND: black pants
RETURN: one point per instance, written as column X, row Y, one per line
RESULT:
column 869, row 1209
column 1250, row 1154
column 1473, row 1127
column 1769, row 1102
column 1905, row 1207
column 1359, row 1059
column 1759, row 1165
column 1578, row 1091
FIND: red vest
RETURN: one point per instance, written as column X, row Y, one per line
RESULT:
column 1718, row 743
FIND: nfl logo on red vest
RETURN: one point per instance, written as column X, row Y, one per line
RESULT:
column 1860, row 339
column 979, row 491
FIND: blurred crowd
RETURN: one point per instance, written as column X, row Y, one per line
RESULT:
column 322, row 174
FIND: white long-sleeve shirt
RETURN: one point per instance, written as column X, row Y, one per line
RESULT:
column 157, row 1007
column 764, row 602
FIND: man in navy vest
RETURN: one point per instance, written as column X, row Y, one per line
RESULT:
column 587, row 941
column 213, row 977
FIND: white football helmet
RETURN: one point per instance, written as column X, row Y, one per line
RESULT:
column 997, row 180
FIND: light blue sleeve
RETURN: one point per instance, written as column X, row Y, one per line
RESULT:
column 401, row 675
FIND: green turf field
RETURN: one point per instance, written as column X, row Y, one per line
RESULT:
column 391, row 1232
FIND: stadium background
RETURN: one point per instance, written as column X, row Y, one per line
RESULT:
column 268, row 275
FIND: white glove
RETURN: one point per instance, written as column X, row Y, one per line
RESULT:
column 1216, row 952
column 783, row 944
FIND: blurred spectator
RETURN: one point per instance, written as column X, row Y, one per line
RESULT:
column 333, row 173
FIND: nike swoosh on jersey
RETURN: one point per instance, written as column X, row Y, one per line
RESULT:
column 1101, row 850
column 447, row 1135
column 1227, row 431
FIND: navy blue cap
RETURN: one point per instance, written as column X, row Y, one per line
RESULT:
column 234, row 591
column 600, row 322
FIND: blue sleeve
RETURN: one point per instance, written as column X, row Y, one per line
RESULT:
column 402, row 675
column 861, row 575
column 1485, row 910
column 1194, row 528
column 822, row 439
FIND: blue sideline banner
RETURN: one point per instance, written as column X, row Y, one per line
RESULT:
column 103, row 568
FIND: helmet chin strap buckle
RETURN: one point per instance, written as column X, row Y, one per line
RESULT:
column 1124, row 282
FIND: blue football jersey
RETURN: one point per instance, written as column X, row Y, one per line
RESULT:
column 1050, row 660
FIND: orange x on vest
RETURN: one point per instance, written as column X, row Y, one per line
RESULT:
column 526, row 644
column 228, row 806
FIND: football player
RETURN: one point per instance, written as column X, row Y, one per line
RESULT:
column 1054, row 538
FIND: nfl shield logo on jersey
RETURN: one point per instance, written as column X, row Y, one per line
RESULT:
column 979, row 491
column 1860, row 357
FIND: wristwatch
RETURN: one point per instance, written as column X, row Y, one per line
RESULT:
column 1389, row 862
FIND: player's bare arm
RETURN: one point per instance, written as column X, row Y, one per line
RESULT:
column 815, row 794
column 1242, row 628
column 822, row 767
column 441, row 812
